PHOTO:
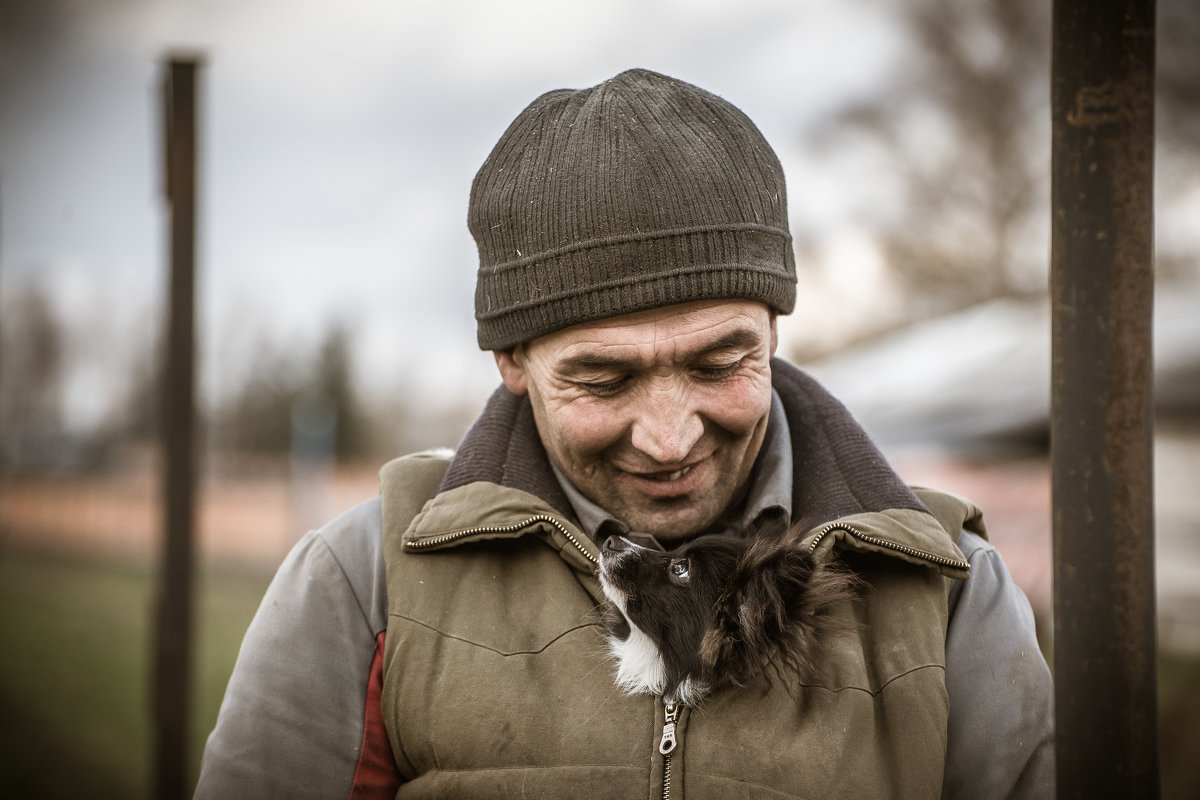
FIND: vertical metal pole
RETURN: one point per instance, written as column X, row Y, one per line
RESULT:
column 172, row 693
column 1102, row 292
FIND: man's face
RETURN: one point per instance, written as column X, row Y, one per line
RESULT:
column 655, row 416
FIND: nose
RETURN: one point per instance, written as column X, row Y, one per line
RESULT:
column 615, row 544
column 667, row 430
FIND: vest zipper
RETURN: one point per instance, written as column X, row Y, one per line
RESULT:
column 666, row 744
column 446, row 538
column 889, row 545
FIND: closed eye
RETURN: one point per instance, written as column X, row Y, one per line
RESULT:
column 718, row 373
column 603, row 388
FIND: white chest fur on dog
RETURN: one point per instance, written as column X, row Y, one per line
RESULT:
column 640, row 667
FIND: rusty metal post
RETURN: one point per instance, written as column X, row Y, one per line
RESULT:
column 173, row 647
column 1102, row 292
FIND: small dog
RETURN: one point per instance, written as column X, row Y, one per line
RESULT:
column 716, row 611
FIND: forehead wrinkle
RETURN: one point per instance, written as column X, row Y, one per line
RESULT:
column 742, row 337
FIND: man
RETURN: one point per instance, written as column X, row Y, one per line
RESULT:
column 441, row 641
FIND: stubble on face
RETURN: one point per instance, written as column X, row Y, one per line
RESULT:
column 658, row 416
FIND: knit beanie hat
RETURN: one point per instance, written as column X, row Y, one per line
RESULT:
column 640, row 192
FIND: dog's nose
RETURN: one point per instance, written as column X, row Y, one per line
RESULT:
column 614, row 544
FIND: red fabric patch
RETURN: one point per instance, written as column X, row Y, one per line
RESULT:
column 376, row 775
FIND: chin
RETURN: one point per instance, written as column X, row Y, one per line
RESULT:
column 674, row 519
column 718, row 611
column 669, row 528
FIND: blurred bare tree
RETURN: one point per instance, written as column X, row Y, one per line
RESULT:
column 1179, row 74
column 257, row 416
column 289, row 395
column 962, row 131
column 33, row 358
column 135, row 414
column 33, row 340
column 961, row 134
column 1178, row 127
column 333, row 387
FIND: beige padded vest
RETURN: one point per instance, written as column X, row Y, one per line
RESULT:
column 497, row 682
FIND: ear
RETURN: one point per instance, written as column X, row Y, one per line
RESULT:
column 770, row 586
column 511, row 363
column 774, row 333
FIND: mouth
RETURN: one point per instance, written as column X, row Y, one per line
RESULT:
column 666, row 477
column 670, row 483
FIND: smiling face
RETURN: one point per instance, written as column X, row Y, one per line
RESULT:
column 657, row 416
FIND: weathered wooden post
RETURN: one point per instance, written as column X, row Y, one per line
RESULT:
column 173, row 648
column 1102, row 292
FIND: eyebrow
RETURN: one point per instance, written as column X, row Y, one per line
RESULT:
column 739, row 339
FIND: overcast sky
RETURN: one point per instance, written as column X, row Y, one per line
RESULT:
column 339, row 140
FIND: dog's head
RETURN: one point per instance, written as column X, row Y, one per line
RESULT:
column 714, row 611
column 662, row 608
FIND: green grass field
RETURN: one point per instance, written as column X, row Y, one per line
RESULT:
column 76, row 664
column 76, row 668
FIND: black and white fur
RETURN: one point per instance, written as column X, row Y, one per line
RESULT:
column 715, row 612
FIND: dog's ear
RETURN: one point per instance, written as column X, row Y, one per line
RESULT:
column 775, row 607
column 750, row 611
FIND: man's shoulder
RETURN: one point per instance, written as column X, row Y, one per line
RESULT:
column 354, row 542
column 355, row 539
column 355, row 529
column 973, row 546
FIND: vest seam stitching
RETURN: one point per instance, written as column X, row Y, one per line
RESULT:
column 362, row 609
column 482, row 646
column 883, row 686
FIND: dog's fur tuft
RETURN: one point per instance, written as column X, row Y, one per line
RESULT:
column 719, row 610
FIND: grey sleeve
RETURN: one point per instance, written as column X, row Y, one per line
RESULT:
column 291, row 722
column 1001, row 729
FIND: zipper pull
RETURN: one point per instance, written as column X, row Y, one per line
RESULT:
column 667, row 743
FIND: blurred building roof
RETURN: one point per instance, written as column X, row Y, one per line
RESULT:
column 981, row 378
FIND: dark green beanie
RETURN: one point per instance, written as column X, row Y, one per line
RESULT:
column 640, row 192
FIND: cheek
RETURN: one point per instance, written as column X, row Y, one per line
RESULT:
column 739, row 406
column 583, row 428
